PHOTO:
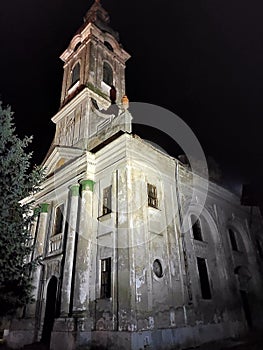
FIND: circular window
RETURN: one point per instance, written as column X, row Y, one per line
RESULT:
column 157, row 268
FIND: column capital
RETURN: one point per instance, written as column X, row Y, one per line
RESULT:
column 87, row 185
column 74, row 190
column 44, row 207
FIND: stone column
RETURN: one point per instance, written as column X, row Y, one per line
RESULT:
column 83, row 260
column 69, row 253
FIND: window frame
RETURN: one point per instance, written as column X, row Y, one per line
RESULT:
column 107, row 74
column 107, row 200
column 75, row 77
column 105, row 278
column 152, row 196
column 157, row 268
column 60, row 225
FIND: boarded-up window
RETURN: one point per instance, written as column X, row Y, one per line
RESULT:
column 152, row 196
column 196, row 228
column 58, row 223
column 204, row 280
column 105, row 290
column 106, row 209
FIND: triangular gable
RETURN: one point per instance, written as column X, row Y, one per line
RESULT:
column 58, row 156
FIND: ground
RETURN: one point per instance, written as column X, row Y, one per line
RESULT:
column 253, row 341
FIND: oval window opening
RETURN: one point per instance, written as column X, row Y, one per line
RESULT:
column 157, row 268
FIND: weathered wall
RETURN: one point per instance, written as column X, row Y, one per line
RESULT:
column 143, row 308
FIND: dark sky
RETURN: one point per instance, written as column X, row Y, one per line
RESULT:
column 203, row 60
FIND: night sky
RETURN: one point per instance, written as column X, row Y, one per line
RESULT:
column 203, row 60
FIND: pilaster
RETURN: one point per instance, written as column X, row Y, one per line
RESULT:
column 70, row 250
column 39, row 250
column 42, row 228
column 83, row 261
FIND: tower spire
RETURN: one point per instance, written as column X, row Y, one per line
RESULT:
column 97, row 12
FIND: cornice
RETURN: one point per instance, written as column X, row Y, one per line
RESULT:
column 84, row 95
column 92, row 32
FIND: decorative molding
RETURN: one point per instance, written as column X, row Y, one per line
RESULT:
column 74, row 189
column 44, row 207
column 53, row 269
column 59, row 156
column 87, row 185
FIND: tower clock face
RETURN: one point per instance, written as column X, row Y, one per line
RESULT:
column 157, row 268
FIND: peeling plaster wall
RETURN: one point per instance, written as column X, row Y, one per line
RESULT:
column 146, row 310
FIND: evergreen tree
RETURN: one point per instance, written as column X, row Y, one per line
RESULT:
column 17, row 182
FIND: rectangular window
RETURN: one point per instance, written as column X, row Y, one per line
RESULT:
column 204, row 280
column 105, row 291
column 106, row 209
column 58, row 223
column 196, row 227
column 152, row 196
column 233, row 240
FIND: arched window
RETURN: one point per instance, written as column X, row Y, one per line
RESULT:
column 196, row 228
column 108, row 45
column 77, row 46
column 58, row 222
column 107, row 74
column 75, row 74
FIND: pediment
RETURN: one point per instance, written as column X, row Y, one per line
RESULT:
column 59, row 156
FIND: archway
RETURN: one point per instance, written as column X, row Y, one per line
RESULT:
column 50, row 311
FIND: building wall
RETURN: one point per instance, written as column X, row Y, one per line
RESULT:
column 145, row 309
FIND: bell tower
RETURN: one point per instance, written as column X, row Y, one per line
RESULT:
column 94, row 80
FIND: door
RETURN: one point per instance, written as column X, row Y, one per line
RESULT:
column 246, row 308
column 50, row 311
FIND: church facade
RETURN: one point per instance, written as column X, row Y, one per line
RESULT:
column 116, row 270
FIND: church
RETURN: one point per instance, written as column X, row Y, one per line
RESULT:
column 130, row 256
